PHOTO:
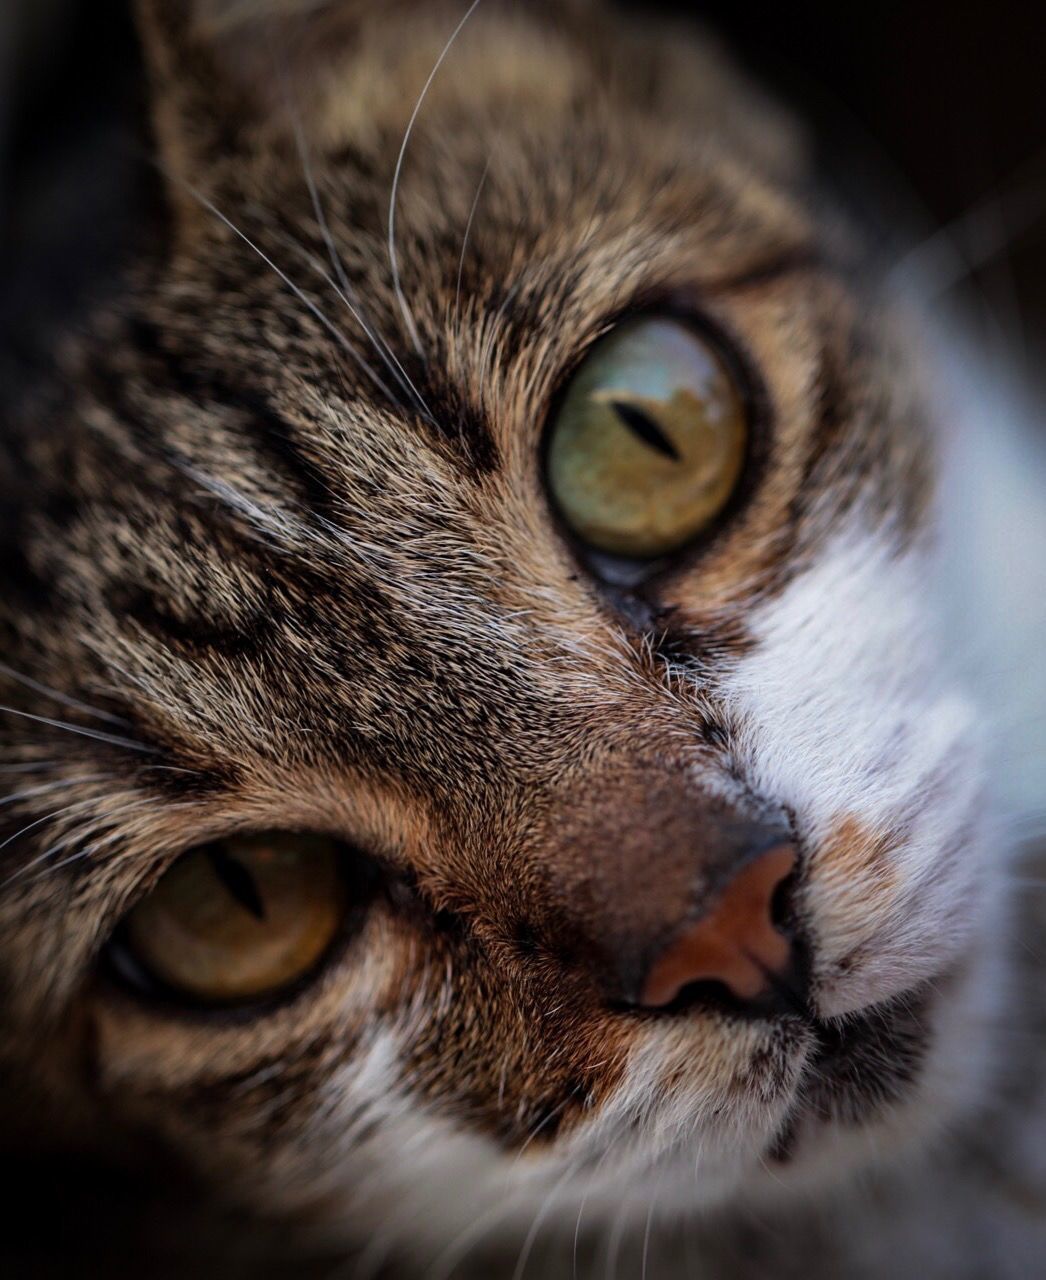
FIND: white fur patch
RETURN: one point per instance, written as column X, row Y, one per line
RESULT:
column 850, row 710
column 867, row 698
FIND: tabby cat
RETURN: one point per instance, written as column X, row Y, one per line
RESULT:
column 508, row 640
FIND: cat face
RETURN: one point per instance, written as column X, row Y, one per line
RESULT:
column 296, row 538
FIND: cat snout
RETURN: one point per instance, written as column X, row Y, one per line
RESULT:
column 670, row 897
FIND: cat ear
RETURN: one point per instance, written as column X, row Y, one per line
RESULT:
column 225, row 73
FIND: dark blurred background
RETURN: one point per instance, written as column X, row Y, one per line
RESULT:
column 935, row 106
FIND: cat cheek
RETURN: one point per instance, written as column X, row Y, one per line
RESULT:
column 882, row 925
column 852, row 719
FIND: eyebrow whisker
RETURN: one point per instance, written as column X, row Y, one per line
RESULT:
column 468, row 231
column 296, row 289
column 110, row 739
column 346, row 292
column 397, row 286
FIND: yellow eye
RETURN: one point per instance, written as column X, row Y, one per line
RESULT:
column 240, row 918
column 650, row 440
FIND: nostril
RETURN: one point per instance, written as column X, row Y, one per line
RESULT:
column 739, row 945
column 782, row 904
column 783, row 996
column 710, row 995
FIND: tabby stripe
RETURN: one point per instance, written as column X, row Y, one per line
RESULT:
column 273, row 436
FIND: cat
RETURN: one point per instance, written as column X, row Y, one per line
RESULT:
column 521, row 684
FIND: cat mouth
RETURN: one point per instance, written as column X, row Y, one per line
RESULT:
column 860, row 1067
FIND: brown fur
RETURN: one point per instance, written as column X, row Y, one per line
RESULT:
column 311, row 603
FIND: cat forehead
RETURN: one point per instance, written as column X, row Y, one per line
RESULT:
column 352, row 71
column 572, row 121
column 343, row 418
column 492, row 193
column 493, row 201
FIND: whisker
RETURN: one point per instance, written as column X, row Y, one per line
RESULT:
column 386, row 353
column 346, row 291
column 535, row 1132
column 136, row 805
column 539, row 1217
column 468, row 231
column 298, row 292
column 401, row 299
column 47, row 787
column 48, row 817
column 445, row 1262
column 581, row 1210
column 614, row 1239
column 74, row 704
column 78, row 856
column 111, row 739
column 646, row 1241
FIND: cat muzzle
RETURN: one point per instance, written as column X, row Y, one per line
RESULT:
column 669, row 897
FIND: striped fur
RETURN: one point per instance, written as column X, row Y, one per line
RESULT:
column 281, row 556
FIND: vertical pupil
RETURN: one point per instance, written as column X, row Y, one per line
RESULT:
column 642, row 425
column 237, row 881
column 649, row 442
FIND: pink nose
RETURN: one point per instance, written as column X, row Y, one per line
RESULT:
column 735, row 942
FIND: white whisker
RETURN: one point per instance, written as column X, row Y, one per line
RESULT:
column 646, row 1241
column 384, row 351
column 443, row 1265
column 546, row 1119
column 74, row 704
column 110, row 738
column 581, row 1210
column 79, row 855
column 539, row 1217
column 298, row 292
column 46, row 788
column 346, row 291
column 614, row 1239
column 38, row 822
column 408, row 319
column 105, row 819
column 468, row 232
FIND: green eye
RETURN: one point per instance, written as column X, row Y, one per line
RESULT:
column 649, row 442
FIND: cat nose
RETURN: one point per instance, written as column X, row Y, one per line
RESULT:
column 736, row 942
column 661, row 894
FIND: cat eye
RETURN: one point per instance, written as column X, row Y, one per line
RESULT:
column 238, row 919
column 649, row 441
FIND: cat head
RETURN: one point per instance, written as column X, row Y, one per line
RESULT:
column 400, row 816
